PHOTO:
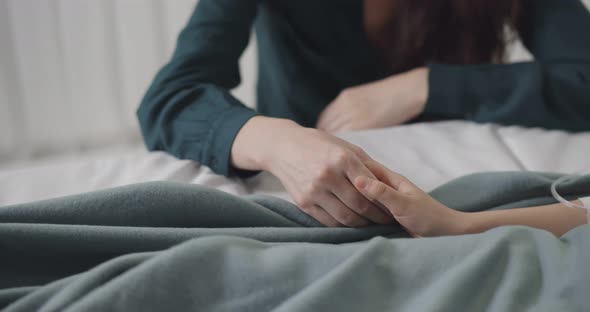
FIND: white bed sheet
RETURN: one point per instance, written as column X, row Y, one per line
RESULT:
column 429, row 154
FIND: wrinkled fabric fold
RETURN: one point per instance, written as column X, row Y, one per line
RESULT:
column 171, row 246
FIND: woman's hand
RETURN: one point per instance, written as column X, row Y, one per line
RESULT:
column 379, row 104
column 316, row 168
column 420, row 214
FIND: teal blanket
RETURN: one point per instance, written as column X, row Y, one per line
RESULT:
column 170, row 247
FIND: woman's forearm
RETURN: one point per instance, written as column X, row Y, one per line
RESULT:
column 257, row 139
column 557, row 219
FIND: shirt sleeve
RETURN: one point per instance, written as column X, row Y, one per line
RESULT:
column 551, row 92
column 188, row 110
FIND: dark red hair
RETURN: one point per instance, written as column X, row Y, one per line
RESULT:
column 451, row 31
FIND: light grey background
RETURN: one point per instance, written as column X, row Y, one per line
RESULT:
column 73, row 72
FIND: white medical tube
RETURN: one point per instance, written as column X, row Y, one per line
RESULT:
column 585, row 201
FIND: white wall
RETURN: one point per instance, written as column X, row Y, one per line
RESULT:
column 72, row 72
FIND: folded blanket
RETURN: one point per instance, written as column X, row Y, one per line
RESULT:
column 169, row 246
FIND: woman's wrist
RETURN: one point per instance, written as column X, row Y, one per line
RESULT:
column 413, row 86
column 255, row 144
column 461, row 223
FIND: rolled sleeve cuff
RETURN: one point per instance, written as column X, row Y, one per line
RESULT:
column 221, row 138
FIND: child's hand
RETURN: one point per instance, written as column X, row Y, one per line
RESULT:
column 420, row 214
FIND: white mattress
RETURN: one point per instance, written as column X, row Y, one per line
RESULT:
column 429, row 154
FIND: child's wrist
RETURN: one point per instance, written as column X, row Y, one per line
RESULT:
column 462, row 223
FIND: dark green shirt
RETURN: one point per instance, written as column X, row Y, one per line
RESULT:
column 310, row 50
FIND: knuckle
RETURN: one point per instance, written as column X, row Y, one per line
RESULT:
column 343, row 94
column 313, row 188
column 357, row 150
column 304, row 203
column 363, row 155
column 340, row 157
column 346, row 94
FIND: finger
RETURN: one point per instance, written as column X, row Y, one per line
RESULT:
column 354, row 200
column 340, row 212
column 381, row 192
column 357, row 168
column 359, row 152
column 323, row 217
column 393, row 179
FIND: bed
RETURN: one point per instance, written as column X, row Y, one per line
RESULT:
column 90, row 221
column 430, row 154
column 132, row 258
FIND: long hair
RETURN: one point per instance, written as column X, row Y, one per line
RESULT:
column 451, row 31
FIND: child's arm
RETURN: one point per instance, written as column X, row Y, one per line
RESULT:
column 422, row 215
column 557, row 218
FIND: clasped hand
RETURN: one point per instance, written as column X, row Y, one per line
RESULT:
column 384, row 103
